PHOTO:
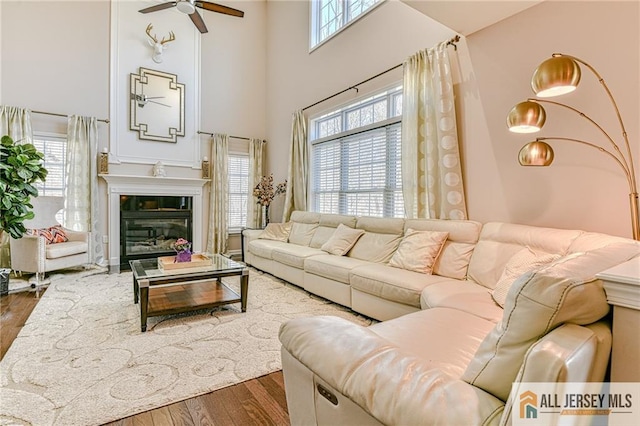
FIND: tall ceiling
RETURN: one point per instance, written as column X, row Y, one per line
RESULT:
column 468, row 16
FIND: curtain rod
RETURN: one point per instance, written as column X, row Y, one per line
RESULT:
column 200, row 132
column 451, row 42
column 104, row 120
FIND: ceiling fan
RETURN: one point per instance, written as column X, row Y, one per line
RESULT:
column 188, row 7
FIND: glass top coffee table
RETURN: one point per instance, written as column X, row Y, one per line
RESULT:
column 162, row 291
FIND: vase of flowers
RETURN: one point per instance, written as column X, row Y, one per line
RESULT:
column 265, row 192
column 183, row 250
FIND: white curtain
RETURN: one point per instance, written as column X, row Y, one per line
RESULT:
column 296, row 195
column 254, row 211
column 431, row 173
column 219, row 195
column 81, row 197
column 16, row 122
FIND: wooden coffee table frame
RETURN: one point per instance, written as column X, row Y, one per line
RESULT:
column 185, row 291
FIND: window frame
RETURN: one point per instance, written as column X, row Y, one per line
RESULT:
column 389, row 124
column 52, row 137
column 314, row 22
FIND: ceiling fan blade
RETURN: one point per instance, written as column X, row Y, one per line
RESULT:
column 198, row 22
column 214, row 7
column 158, row 7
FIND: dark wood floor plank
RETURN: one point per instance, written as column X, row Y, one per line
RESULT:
column 180, row 414
column 161, row 417
column 142, row 419
column 216, row 403
column 199, row 413
column 273, row 410
column 274, row 390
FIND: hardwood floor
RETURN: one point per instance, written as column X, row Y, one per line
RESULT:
column 260, row 401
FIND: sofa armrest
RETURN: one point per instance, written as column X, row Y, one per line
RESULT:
column 28, row 253
column 389, row 384
column 570, row 353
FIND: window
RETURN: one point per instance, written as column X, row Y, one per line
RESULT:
column 238, row 191
column 355, row 158
column 54, row 147
column 329, row 16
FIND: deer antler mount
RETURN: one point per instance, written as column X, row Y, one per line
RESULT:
column 158, row 46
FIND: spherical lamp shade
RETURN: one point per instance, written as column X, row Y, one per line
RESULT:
column 555, row 76
column 526, row 117
column 536, row 153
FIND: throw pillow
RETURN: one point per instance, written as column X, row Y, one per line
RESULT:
column 52, row 235
column 276, row 232
column 523, row 261
column 419, row 250
column 342, row 240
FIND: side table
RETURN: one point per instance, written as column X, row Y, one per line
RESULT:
column 622, row 284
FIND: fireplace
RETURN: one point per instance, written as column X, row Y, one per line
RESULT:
column 145, row 189
column 149, row 225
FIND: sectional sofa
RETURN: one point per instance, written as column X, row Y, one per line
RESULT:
column 499, row 303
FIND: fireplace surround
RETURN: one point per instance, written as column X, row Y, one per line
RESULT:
column 146, row 188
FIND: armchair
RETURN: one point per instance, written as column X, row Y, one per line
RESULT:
column 31, row 253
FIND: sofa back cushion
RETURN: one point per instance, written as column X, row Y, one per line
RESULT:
column 327, row 226
column 453, row 260
column 500, row 241
column 303, row 226
column 565, row 291
column 380, row 240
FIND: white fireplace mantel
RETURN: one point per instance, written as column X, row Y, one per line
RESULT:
column 118, row 185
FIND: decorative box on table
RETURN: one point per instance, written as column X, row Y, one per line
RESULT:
column 197, row 261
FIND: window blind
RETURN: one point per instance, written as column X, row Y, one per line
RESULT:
column 54, row 150
column 359, row 174
column 238, row 170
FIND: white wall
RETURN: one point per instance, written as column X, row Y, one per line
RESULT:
column 583, row 188
column 55, row 56
column 296, row 78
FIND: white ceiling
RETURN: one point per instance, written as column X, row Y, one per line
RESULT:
column 468, row 16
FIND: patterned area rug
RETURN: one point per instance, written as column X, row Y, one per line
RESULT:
column 82, row 360
column 24, row 282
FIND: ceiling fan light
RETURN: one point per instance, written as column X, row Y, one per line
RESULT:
column 186, row 7
column 536, row 153
column 526, row 117
column 556, row 76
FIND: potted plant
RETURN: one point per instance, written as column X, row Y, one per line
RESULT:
column 20, row 167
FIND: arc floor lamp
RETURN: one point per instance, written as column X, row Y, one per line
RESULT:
column 556, row 76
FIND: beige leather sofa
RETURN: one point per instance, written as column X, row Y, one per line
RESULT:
column 446, row 352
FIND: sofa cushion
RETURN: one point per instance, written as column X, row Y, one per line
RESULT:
column 276, row 232
column 463, row 333
column 500, row 241
column 264, row 248
column 302, row 233
column 294, row 255
column 342, row 240
column 454, row 259
column 327, row 226
column 537, row 302
column 418, row 250
column 394, row 284
column 523, row 261
column 333, row 267
column 464, row 296
column 380, row 241
column 55, row 251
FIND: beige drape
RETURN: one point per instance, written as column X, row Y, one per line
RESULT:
column 296, row 195
column 81, row 196
column 16, row 122
column 254, row 211
column 219, row 195
column 431, row 173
